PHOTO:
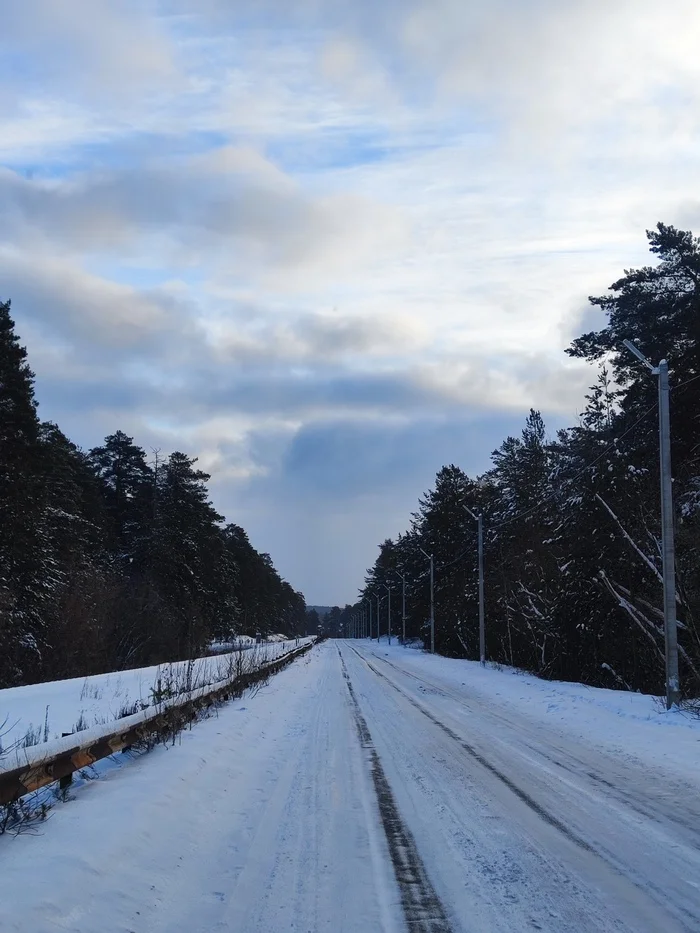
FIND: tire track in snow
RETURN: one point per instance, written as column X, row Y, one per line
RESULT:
column 422, row 908
column 522, row 795
column 688, row 821
column 484, row 762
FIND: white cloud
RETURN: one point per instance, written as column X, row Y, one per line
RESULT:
column 249, row 220
column 229, row 208
column 93, row 46
column 87, row 310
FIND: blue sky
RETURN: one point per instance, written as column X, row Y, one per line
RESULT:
column 329, row 247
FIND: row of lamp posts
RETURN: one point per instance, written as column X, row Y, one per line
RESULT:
column 361, row 632
column 359, row 621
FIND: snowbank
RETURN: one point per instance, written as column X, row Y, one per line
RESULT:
column 40, row 713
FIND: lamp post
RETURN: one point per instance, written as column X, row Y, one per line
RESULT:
column 379, row 599
column 388, row 589
column 673, row 693
column 432, row 602
column 403, row 608
column 482, row 629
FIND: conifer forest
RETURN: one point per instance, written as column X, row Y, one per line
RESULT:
column 110, row 558
column 572, row 560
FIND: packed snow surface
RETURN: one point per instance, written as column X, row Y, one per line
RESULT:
column 530, row 806
column 630, row 725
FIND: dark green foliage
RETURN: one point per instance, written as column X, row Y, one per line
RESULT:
column 313, row 622
column 572, row 527
column 27, row 575
column 108, row 562
column 128, row 494
column 266, row 603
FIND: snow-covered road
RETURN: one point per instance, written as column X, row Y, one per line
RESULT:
column 520, row 827
column 363, row 791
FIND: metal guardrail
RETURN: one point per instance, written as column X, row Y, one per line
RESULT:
column 170, row 716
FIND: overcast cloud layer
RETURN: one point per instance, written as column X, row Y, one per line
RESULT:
column 329, row 247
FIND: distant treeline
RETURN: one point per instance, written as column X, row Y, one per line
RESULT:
column 572, row 523
column 109, row 560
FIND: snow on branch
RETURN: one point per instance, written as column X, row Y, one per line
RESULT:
column 647, row 560
column 622, row 595
column 646, row 625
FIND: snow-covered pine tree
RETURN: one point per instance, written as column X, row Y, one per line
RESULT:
column 658, row 308
column 523, row 569
column 128, row 491
column 28, row 576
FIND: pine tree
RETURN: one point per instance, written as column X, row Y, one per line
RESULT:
column 522, row 531
column 81, row 620
column 27, row 576
column 658, row 308
column 183, row 540
column 128, row 490
column 313, row 622
column 442, row 528
column 601, row 486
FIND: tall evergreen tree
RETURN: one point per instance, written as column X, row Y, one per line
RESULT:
column 128, row 491
column 184, row 530
column 80, row 624
column 313, row 622
column 658, row 308
column 28, row 576
column 522, row 529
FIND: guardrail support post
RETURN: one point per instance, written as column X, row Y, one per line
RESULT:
column 67, row 779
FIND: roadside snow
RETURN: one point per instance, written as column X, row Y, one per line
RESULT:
column 39, row 713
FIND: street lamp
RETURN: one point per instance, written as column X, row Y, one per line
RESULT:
column 388, row 589
column 673, row 693
column 402, row 577
column 482, row 629
column 432, row 601
column 403, row 608
column 379, row 599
